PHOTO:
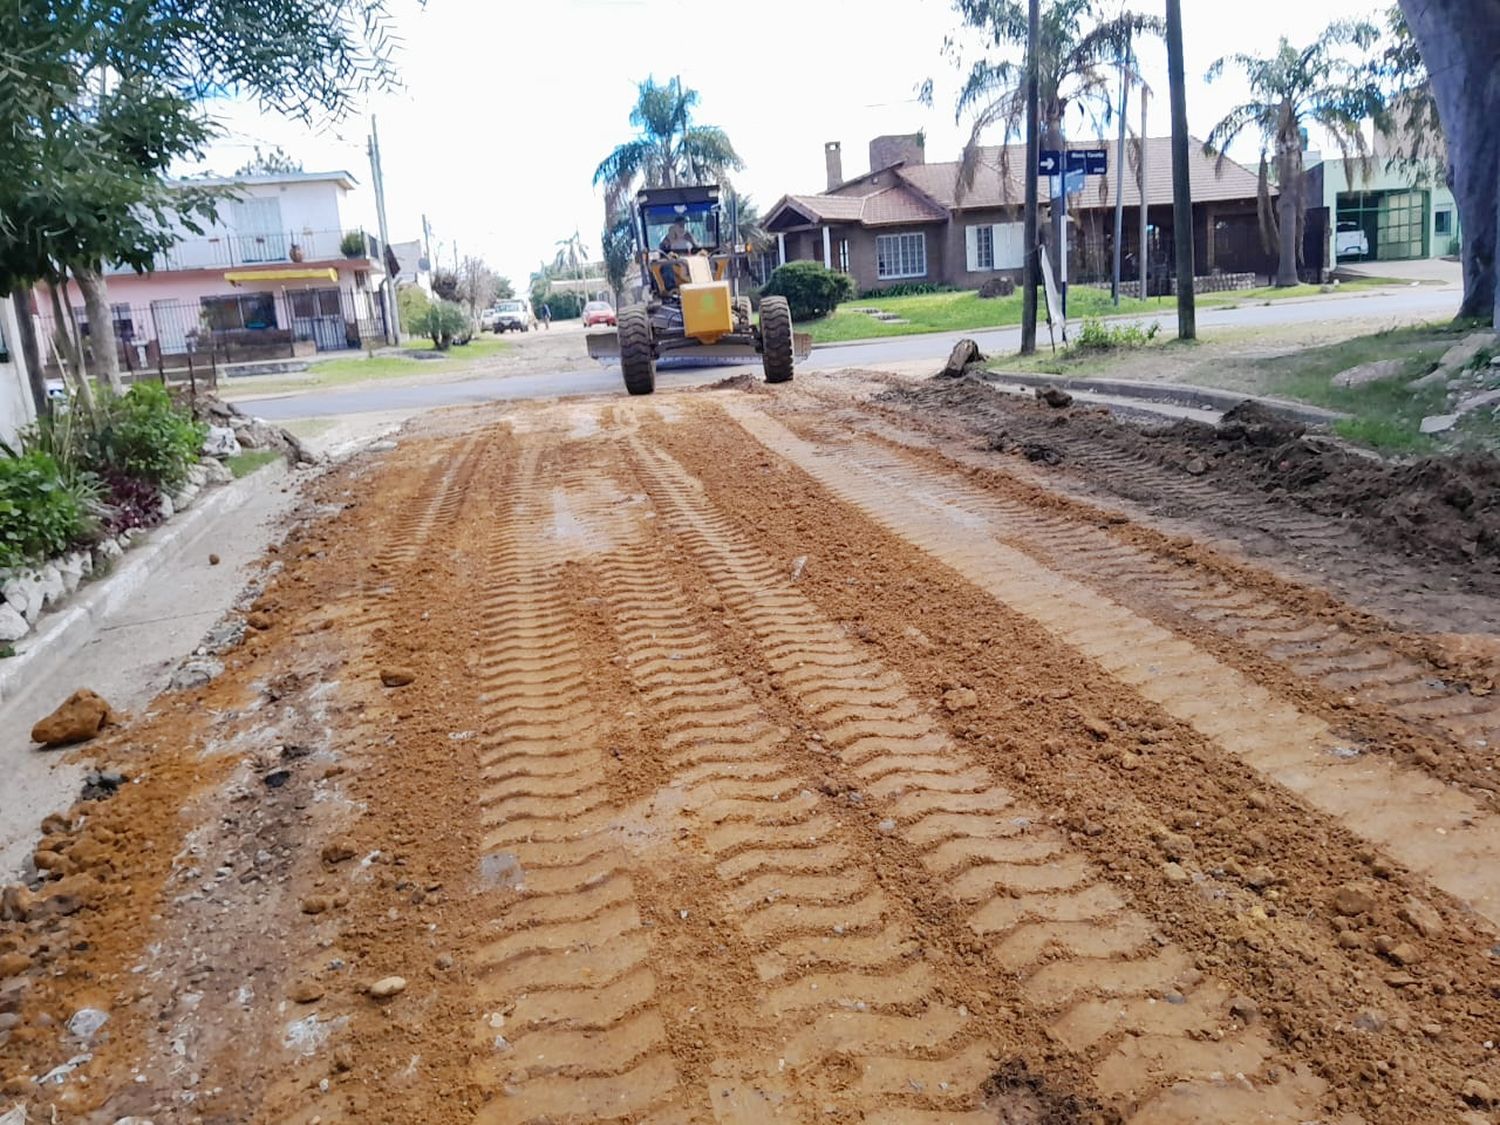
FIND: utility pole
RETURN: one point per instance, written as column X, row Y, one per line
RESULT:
column 388, row 290
column 1182, row 192
column 1114, row 287
column 1033, row 151
column 427, row 242
column 1144, row 254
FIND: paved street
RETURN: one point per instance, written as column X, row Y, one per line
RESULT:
column 583, row 376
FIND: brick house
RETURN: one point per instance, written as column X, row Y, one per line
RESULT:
column 907, row 221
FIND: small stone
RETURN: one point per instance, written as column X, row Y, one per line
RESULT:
column 195, row 673
column 1353, row 898
column 86, row 1022
column 387, row 987
column 1258, row 878
column 1054, row 397
column 960, row 699
column 1244, row 1009
column 1422, row 918
column 1400, row 952
column 343, row 1059
column 305, row 991
column 259, row 620
column 81, row 717
column 316, row 904
column 1351, row 939
column 213, row 560
column 1370, row 1020
column 336, row 851
column 13, row 964
column 397, row 677
column 1259, row 801
column 1097, row 729
column 444, row 961
column 1196, row 466
column 1175, row 873
column 1478, row 1093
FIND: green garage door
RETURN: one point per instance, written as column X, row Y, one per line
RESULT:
column 1381, row 225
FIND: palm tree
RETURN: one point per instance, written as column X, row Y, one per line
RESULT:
column 668, row 148
column 1082, row 47
column 1291, row 89
column 572, row 257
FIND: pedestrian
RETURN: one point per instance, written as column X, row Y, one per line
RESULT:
column 547, row 316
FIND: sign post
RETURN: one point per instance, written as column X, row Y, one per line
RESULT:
column 1065, row 171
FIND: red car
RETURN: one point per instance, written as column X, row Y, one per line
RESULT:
column 598, row 312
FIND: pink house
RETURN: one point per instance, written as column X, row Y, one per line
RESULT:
column 282, row 273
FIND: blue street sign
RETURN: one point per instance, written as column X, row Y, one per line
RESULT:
column 1091, row 161
column 1072, row 183
column 1048, row 162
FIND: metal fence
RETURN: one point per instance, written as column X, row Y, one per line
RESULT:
column 232, row 248
column 177, row 335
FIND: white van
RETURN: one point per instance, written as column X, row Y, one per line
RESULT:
column 514, row 315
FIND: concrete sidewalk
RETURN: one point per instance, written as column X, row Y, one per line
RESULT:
column 123, row 635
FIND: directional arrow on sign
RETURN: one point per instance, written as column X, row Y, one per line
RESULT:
column 1048, row 162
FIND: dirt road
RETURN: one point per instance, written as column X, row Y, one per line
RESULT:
column 825, row 754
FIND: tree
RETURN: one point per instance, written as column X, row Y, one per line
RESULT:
column 1080, row 48
column 504, row 290
column 1459, row 41
column 476, row 285
column 274, row 161
column 1290, row 90
column 668, row 148
column 445, row 284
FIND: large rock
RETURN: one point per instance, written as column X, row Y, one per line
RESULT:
column 82, row 716
column 106, row 551
column 1370, row 373
column 71, row 570
column 221, row 442
column 215, row 472
column 964, row 352
column 23, row 593
column 183, row 498
column 54, row 589
column 13, row 626
column 1461, row 354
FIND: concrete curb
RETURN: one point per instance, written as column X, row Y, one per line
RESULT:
column 63, row 633
column 1181, row 394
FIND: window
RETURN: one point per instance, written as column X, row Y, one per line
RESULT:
column 1442, row 222
column 984, row 248
column 843, row 255
column 124, row 322
column 901, row 255
column 252, row 310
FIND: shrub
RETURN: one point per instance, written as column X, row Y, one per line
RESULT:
column 1097, row 336
column 40, row 515
column 443, row 322
column 810, row 288
column 412, row 304
column 908, row 289
column 564, row 305
column 142, row 434
column 353, row 244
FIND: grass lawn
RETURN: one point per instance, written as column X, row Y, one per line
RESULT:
column 243, row 464
column 958, row 312
column 360, row 368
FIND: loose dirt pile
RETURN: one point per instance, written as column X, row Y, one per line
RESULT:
column 1443, row 508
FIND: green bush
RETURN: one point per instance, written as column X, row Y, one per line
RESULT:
column 443, row 323
column 564, row 305
column 810, row 288
column 143, row 435
column 908, row 289
column 1097, row 336
column 412, row 304
column 353, row 244
column 40, row 515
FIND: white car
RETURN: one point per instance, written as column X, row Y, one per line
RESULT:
column 1350, row 241
column 487, row 319
column 514, row 316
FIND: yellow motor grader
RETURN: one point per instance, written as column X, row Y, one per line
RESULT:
column 689, row 311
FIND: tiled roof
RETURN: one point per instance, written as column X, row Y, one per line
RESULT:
column 991, row 189
column 888, row 206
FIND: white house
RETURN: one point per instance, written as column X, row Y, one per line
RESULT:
column 284, row 271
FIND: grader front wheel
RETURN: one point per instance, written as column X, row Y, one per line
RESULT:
column 637, row 357
column 776, row 339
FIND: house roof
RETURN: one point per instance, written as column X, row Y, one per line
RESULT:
column 342, row 178
column 991, row 188
column 895, row 205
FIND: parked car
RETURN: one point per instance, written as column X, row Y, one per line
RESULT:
column 487, row 319
column 514, row 316
column 1350, row 241
column 598, row 312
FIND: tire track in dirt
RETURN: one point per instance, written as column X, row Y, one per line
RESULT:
column 568, row 971
column 1149, row 1026
column 1429, row 827
column 1341, row 659
column 850, row 1008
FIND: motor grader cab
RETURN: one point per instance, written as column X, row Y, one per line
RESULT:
column 687, row 261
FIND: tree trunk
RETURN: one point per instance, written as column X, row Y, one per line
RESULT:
column 101, row 326
column 1460, row 43
column 31, row 353
column 1289, row 172
column 1057, row 215
column 72, row 353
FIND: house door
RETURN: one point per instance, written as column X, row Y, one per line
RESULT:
column 258, row 233
column 318, row 315
column 173, row 320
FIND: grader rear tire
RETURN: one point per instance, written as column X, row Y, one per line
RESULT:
column 637, row 362
column 776, row 339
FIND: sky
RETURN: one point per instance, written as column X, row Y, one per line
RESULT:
column 504, row 112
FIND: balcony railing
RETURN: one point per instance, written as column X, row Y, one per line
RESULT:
column 231, row 251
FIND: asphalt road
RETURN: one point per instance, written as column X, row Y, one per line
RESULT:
column 592, row 378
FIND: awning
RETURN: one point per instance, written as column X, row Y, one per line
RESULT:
column 234, row 277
